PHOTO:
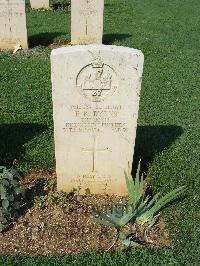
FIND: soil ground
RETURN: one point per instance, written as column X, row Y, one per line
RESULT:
column 57, row 223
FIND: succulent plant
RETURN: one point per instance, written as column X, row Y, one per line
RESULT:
column 139, row 209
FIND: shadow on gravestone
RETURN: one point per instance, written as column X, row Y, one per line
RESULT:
column 43, row 39
column 13, row 137
column 111, row 38
column 151, row 140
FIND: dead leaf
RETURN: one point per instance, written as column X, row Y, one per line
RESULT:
column 17, row 47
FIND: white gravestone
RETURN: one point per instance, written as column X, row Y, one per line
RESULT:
column 36, row 4
column 12, row 24
column 95, row 111
column 87, row 21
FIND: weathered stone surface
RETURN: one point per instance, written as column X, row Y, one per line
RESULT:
column 87, row 21
column 96, row 91
column 13, row 24
column 36, row 4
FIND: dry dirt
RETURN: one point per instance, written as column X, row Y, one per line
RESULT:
column 56, row 223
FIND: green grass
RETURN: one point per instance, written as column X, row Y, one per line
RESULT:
column 168, row 133
column 136, row 258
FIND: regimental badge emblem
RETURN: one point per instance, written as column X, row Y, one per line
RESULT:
column 97, row 80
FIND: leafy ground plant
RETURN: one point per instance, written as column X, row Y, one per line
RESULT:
column 11, row 194
column 140, row 209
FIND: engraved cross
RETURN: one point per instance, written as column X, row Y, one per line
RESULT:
column 94, row 150
column 89, row 10
column 86, row 19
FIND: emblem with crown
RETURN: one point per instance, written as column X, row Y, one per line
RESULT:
column 97, row 62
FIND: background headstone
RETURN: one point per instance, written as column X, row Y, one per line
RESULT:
column 87, row 21
column 12, row 24
column 36, row 4
column 95, row 110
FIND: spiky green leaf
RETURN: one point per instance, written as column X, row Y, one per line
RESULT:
column 149, row 213
column 105, row 216
column 167, row 198
column 96, row 220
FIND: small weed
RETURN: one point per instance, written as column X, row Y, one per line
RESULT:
column 52, row 196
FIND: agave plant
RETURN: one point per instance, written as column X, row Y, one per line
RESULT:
column 117, row 217
column 146, row 208
column 140, row 208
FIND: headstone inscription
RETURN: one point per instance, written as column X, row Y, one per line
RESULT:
column 13, row 24
column 36, row 4
column 95, row 110
column 87, row 21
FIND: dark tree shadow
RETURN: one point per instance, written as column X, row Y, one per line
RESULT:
column 111, row 38
column 43, row 39
column 150, row 140
column 60, row 5
column 13, row 137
